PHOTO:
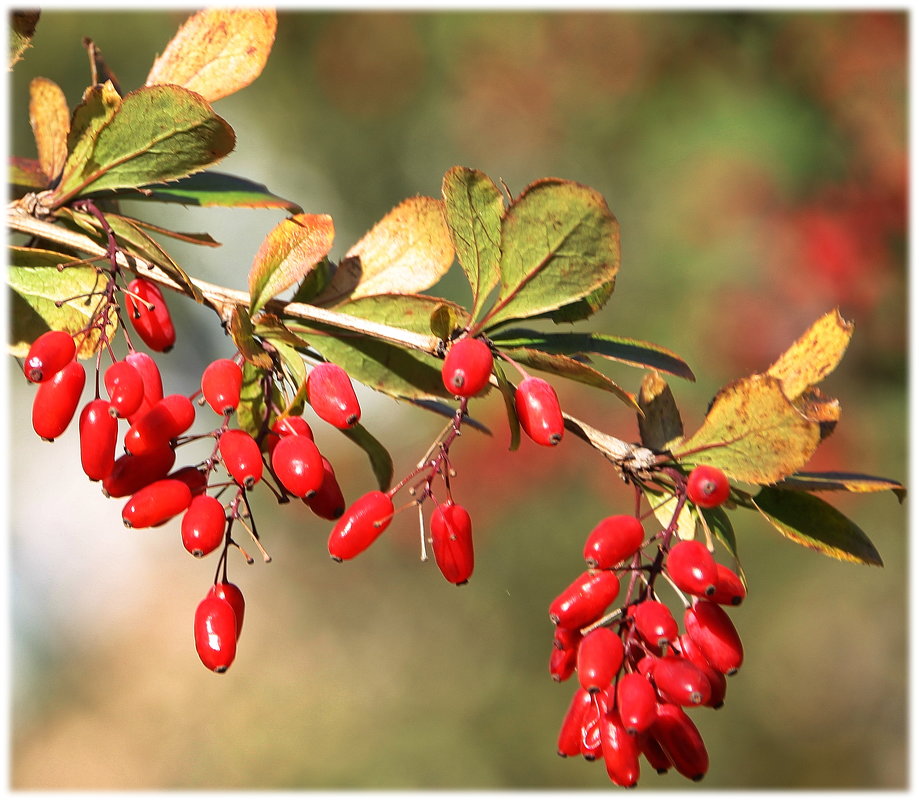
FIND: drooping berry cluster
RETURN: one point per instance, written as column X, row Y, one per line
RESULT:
column 638, row 669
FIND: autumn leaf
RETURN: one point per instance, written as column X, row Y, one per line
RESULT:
column 49, row 117
column 217, row 51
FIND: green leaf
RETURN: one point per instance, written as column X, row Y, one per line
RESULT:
column 752, row 432
column 380, row 460
column 569, row 368
column 292, row 249
column 559, row 244
column 812, row 522
column 34, row 275
column 628, row 351
column 210, row 188
column 474, row 207
column 252, row 412
column 848, row 482
column 154, row 134
column 659, row 422
column 507, row 392
column 26, row 175
column 313, row 283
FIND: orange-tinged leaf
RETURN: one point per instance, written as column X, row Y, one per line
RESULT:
column 288, row 254
column 217, row 51
column 659, row 421
column 50, row 120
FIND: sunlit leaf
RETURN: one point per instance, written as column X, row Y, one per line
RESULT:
column 664, row 506
column 49, row 116
column 211, row 188
column 253, row 410
column 660, row 422
column 837, row 481
column 243, row 335
column 217, row 51
column 26, row 175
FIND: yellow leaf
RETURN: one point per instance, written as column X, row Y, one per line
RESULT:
column 50, row 120
column 217, row 51
column 659, row 421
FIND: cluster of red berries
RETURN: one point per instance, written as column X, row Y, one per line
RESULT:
column 637, row 672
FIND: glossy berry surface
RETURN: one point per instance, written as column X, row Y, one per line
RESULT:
column 297, row 463
column 612, row 540
column 125, row 387
column 655, row 623
column 569, row 734
column 707, row 487
column 636, row 702
column 146, row 308
column 203, row 525
column 328, row 502
column 692, row 567
column 98, row 438
column 361, row 524
column 539, row 412
column 467, row 367
column 215, row 633
column 451, row 537
column 710, row 627
column 132, row 472
column 332, row 395
column 600, row 655
column 221, row 384
column 620, row 751
column 48, row 354
column 241, row 457
column 166, row 420
column 230, row 593
column 729, row 589
column 156, row 503
column 585, row 599
column 680, row 681
column 152, row 380
column 681, row 741
column 56, row 400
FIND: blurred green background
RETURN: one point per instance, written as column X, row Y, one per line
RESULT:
column 757, row 163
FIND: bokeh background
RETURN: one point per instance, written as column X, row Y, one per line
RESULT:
column 757, row 163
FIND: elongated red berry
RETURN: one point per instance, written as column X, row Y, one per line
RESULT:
column 166, row 420
column 729, row 589
column 125, row 387
column 585, row 599
column 241, row 457
column 156, row 503
column 285, row 427
column 681, row 741
column 451, row 537
column 716, row 679
column 327, row 502
column 48, row 354
column 712, row 630
column 707, row 487
column 297, row 463
column 562, row 662
column 680, row 681
column 620, row 751
column 613, row 539
column 193, row 478
column 600, row 655
column 636, row 702
column 56, row 400
column 539, row 412
column 692, row 567
column 215, row 633
column 132, row 472
column 98, row 438
column 331, row 394
column 362, row 523
column 655, row 623
column 591, row 744
column 467, row 367
column 221, row 384
column 203, row 525
column 569, row 735
column 147, row 310
column 234, row 597
column 652, row 751
column 153, row 381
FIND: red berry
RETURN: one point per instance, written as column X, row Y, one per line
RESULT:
column 712, row 630
column 221, row 384
column 192, row 477
column 215, row 633
column 591, row 744
column 125, row 388
column 153, row 381
column 729, row 589
column 680, row 681
column 707, row 487
column 241, row 457
column 680, row 741
column 331, row 395
column 451, row 536
column 692, row 567
column 539, row 412
column 363, row 522
column 98, row 438
column 234, row 597
column 297, row 463
column 654, row 622
column 56, row 400
column 562, row 662
column 285, row 427
column 203, row 525
column 716, row 679
column 156, row 503
column 467, row 367
column 636, row 702
column 569, row 735
column 585, row 599
column 49, row 354
column 600, row 655
column 148, row 313
column 612, row 540
column 328, row 501
column 131, row 472
column 620, row 751
column 652, row 751
column 167, row 419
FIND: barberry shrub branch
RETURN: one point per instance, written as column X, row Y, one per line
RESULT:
column 644, row 626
